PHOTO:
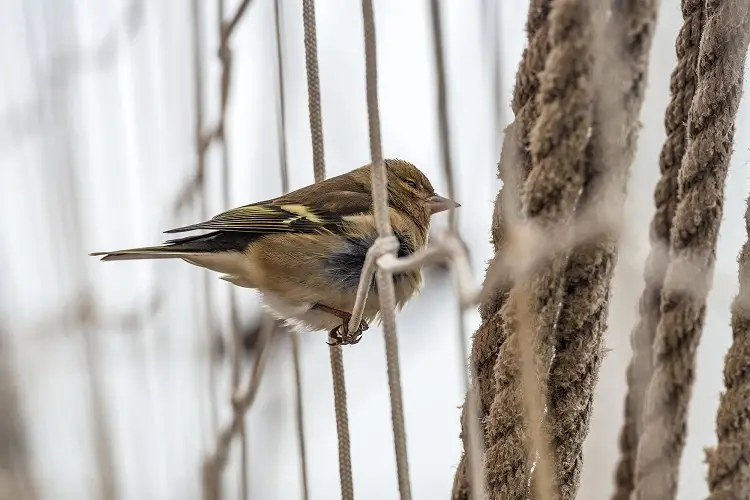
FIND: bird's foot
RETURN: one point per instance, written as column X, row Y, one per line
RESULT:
column 342, row 336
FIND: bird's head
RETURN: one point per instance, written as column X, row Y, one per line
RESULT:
column 411, row 191
column 408, row 182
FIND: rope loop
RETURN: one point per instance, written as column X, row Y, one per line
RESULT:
column 382, row 247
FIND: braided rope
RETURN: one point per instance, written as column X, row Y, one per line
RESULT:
column 558, row 141
column 682, row 87
column 622, row 65
column 313, row 88
column 701, row 179
column 728, row 476
column 384, row 276
column 513, row 169
column 336, row 355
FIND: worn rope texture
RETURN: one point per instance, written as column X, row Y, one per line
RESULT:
column 558, row 142
column 384, row 277
column 692, row 245
column 336, row 355
column 682, row 87
column 515, row 163
column 622, row 65
column 729, row 462
column 515, row 156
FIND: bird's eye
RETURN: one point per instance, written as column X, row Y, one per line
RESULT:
column 411, row 184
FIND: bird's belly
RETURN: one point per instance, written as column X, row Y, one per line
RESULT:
column 300, row 315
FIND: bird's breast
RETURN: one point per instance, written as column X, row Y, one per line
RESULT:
column 344, row 265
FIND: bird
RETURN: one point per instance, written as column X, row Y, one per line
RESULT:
column 304, row 251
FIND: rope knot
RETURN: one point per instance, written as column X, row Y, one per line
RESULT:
column 384, row 245
column 350, row 332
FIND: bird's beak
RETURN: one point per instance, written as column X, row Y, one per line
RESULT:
column 439, row 204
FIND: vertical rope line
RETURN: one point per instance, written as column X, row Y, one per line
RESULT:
column 491, row 38
column 728, row 476
column 242, row 400
column 284, row 171
column 620, row 82
column 313, row 88
column 513, row 168
column 515, row 157
column 682, row 87
column 225, row 57
column 342, row 423
column 442, row 109
column 384, row 277
column 283, row 167
column 299, row 414
column 475, row 448
column 558, row 141
column 701, row 180
column 200, row 158
column 336, row 355
column 215, row 462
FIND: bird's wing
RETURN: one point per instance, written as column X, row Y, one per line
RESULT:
column 288, row 214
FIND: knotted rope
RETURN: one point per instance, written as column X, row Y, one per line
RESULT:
column 384, row 277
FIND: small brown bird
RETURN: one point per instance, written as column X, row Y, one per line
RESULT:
column 305, row 250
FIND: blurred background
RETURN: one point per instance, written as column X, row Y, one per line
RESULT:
column 114, row 377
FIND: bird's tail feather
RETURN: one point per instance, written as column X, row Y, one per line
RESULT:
column 189, row 246
column 157, row 252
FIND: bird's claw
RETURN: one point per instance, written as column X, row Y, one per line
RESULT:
column 342, row 336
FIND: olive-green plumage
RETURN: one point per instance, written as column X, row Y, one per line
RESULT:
column 305, row 250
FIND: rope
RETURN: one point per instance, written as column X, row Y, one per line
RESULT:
column 284, row 171
column 442, row 109
column 215, row 463
column 299, row 414
column 200, row 158
column 682, row 86
column 701, row 179
column 620, row 87
column 316, row 133
column 313, row 88
column 475, row 441
column 383, row 276
column 283, row 167
column 558, row 142
column 225, row 56
column 491, row 333
column 728, row 463
column 242, row 400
